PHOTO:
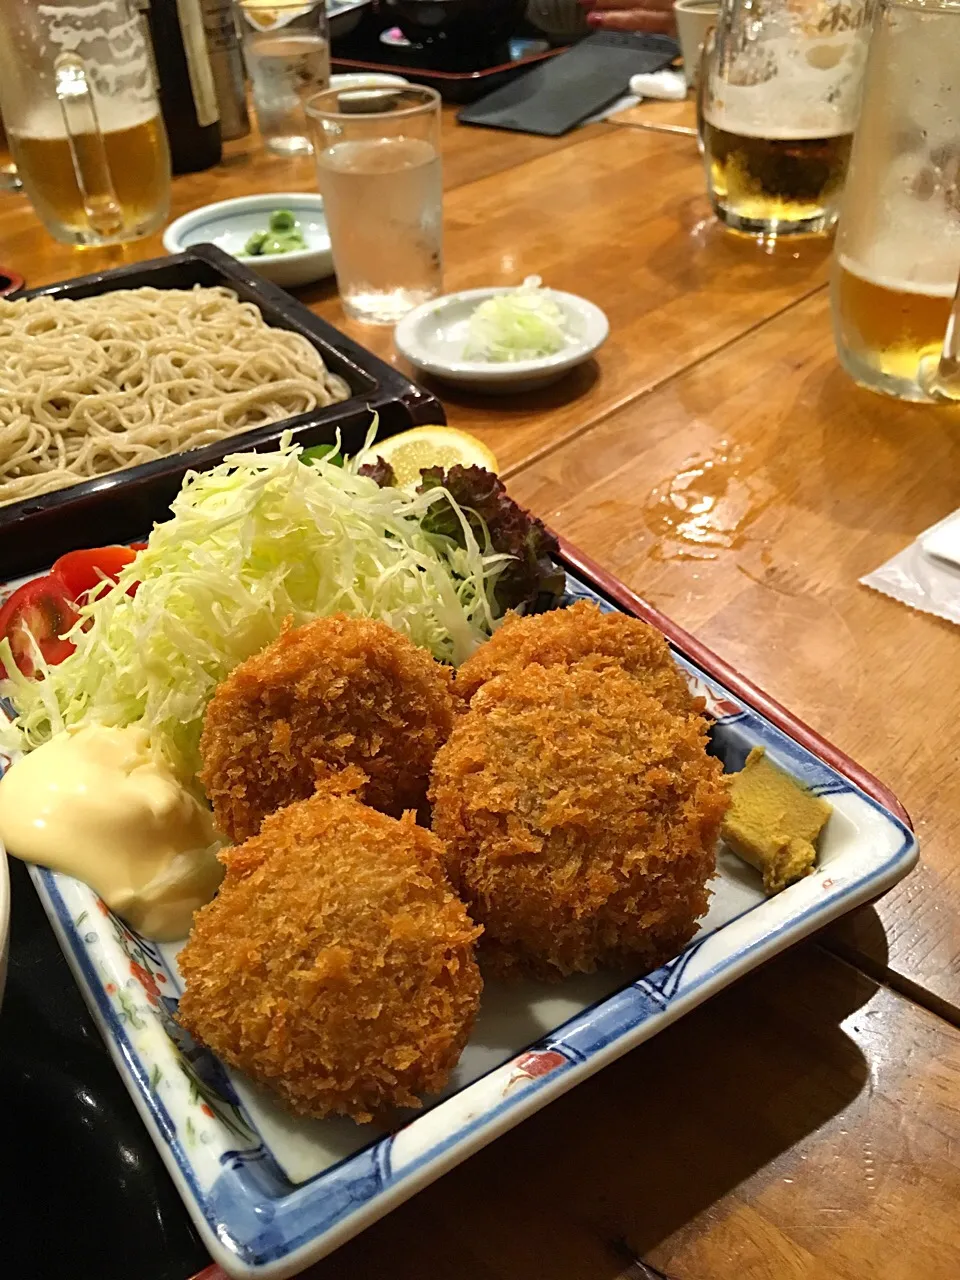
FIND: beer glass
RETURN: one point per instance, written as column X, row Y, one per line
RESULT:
column 897, row 255
column 8, row 170
column 778, row 104
column 79, row 103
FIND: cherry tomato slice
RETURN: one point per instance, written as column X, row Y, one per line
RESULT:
column 81, row 571
column 45, row 609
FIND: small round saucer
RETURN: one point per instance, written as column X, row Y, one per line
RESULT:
column 230, row 223
column 433, row 338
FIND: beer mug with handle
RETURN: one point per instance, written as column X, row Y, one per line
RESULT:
column 780, row 91
column 897, row 255
column 79, row 102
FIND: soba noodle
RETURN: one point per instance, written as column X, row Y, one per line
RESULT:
column 95, row 385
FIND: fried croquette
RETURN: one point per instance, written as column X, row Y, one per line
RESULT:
column 336, row 965
column 581, row 636
column 339, row 691
column 580, row 818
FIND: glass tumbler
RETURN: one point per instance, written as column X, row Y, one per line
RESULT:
column 897, row 255
column 80, row 107
column 378, row 165
column 779, row 96
column 286, row 44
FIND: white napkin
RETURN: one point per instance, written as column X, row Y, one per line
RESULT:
column 943, row 540
column 670, row 86
column 926, row 574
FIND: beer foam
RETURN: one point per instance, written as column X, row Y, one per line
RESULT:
column 735, row 122
column 900, row 224
column 897, row 284
column 109, row 37
column 44, row 121
column 803, row 99
column 893, row 235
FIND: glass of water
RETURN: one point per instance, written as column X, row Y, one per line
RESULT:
column 286, row 44
column 378, row 164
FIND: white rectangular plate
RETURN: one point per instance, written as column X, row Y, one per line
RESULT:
column 271, row 1194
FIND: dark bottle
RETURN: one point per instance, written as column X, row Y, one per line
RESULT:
column 229, row 74
column 188, row 92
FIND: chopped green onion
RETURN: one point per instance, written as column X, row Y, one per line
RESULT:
column 524, row 324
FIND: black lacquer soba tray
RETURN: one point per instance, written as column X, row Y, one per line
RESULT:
column 122, row 505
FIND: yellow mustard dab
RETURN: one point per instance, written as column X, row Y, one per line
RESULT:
column 773, row 823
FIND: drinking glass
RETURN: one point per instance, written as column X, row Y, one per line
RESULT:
column 80, row 107
column 379, row 175
column 897, row 255
column 286, row 44
column 779, row 99
column 695, row 19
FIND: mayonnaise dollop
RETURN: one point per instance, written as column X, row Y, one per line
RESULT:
column 97, row 804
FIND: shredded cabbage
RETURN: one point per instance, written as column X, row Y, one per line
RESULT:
column 259, row 539
column 524, row 324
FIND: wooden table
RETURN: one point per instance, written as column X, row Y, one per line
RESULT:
column 806, row 1123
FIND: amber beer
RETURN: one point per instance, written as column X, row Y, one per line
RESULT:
column 79, row 101
column 134, row 197
column 777, row 112
column 760, row 184
column 8, row 169
column 890, row 329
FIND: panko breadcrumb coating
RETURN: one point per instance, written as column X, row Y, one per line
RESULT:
column 581, row 819
column 336, row 965
column 581, row 636
column 339, row 691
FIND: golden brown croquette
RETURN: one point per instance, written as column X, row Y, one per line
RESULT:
column 580, row 818
column 581, row 636
column 336, row 965
column 339, row 691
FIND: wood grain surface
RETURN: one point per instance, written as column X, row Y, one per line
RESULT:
column 802, row 1126
column 669, row 117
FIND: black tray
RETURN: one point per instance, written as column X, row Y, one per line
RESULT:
column 457, row 79
column 124, row 504
column 460, row 87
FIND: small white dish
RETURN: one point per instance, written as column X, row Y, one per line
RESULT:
column 367, row 91
column 230, row 223
column 365, row 80
column 433, row 338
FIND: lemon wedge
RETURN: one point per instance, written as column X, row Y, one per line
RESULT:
column 410, row 451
